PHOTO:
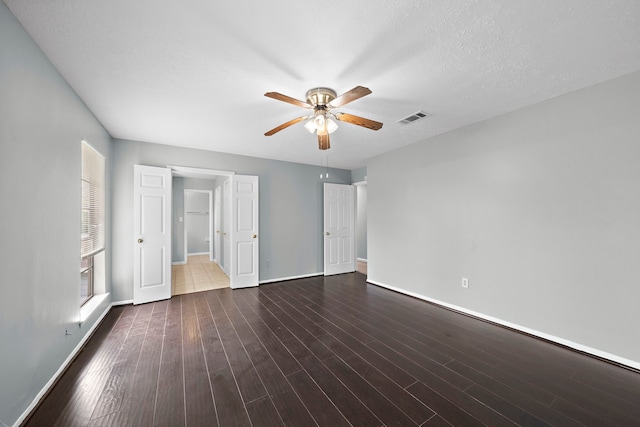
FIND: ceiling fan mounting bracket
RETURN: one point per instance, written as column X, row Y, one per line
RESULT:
column 320, row 96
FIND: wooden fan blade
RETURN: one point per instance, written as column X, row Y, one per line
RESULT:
column 360, row 121
column 290, row 100
column 323, row 141
column 285, row 125
column 355, row 93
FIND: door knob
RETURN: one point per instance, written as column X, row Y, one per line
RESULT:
column 327, row 233
column 140, row 240
column 255, row 235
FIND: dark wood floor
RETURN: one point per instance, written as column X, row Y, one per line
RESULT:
column 332, row 352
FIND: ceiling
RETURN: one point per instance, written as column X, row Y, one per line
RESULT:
column 194, row 73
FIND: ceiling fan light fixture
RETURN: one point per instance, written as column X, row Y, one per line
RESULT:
column 310, row 125
column 322, row 100
column 331, row 126
column 320, row 121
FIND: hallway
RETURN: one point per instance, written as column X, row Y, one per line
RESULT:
column 198, row 274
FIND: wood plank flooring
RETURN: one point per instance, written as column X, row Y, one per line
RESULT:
column 330, row 351
column 361, row 267
column 197, row 275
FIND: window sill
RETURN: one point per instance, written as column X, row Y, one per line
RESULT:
column 91, row 305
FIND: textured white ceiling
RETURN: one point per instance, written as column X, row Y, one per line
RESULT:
column 194, row 73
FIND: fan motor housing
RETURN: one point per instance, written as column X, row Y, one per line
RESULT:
column 320, row 96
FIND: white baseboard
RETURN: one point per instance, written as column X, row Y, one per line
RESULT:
column 61, row 369
column 283, row 279
column 567, row 343
column 179, row 263
column 123, row 302
column 362, row 260
column 197, row 253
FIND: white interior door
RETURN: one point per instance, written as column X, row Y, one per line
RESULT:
column 151, row 234
column 216, row 226
column 226, row 232
column 244, row 231
column 339, row 229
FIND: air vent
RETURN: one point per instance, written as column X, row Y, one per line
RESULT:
column 412, row 118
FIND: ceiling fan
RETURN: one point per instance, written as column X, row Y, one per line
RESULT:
column 322, row 100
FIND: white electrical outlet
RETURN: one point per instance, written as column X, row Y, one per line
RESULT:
column 465, row 283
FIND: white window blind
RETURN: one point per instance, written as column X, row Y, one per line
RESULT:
column 93, row 201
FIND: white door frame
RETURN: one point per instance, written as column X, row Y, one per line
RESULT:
column 217, row 220
column 209, row 222
column 189, row 172
column 226, row 223
column 358, row 237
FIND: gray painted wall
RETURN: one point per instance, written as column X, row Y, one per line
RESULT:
column 539, row 208
column 42, row 122
column 359, row 175
column 290, row 207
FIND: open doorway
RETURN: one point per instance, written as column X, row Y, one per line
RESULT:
column 197, row 226
column 361, row 227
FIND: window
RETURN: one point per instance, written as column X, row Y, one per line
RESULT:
column 86, row 279
column 92, row 233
